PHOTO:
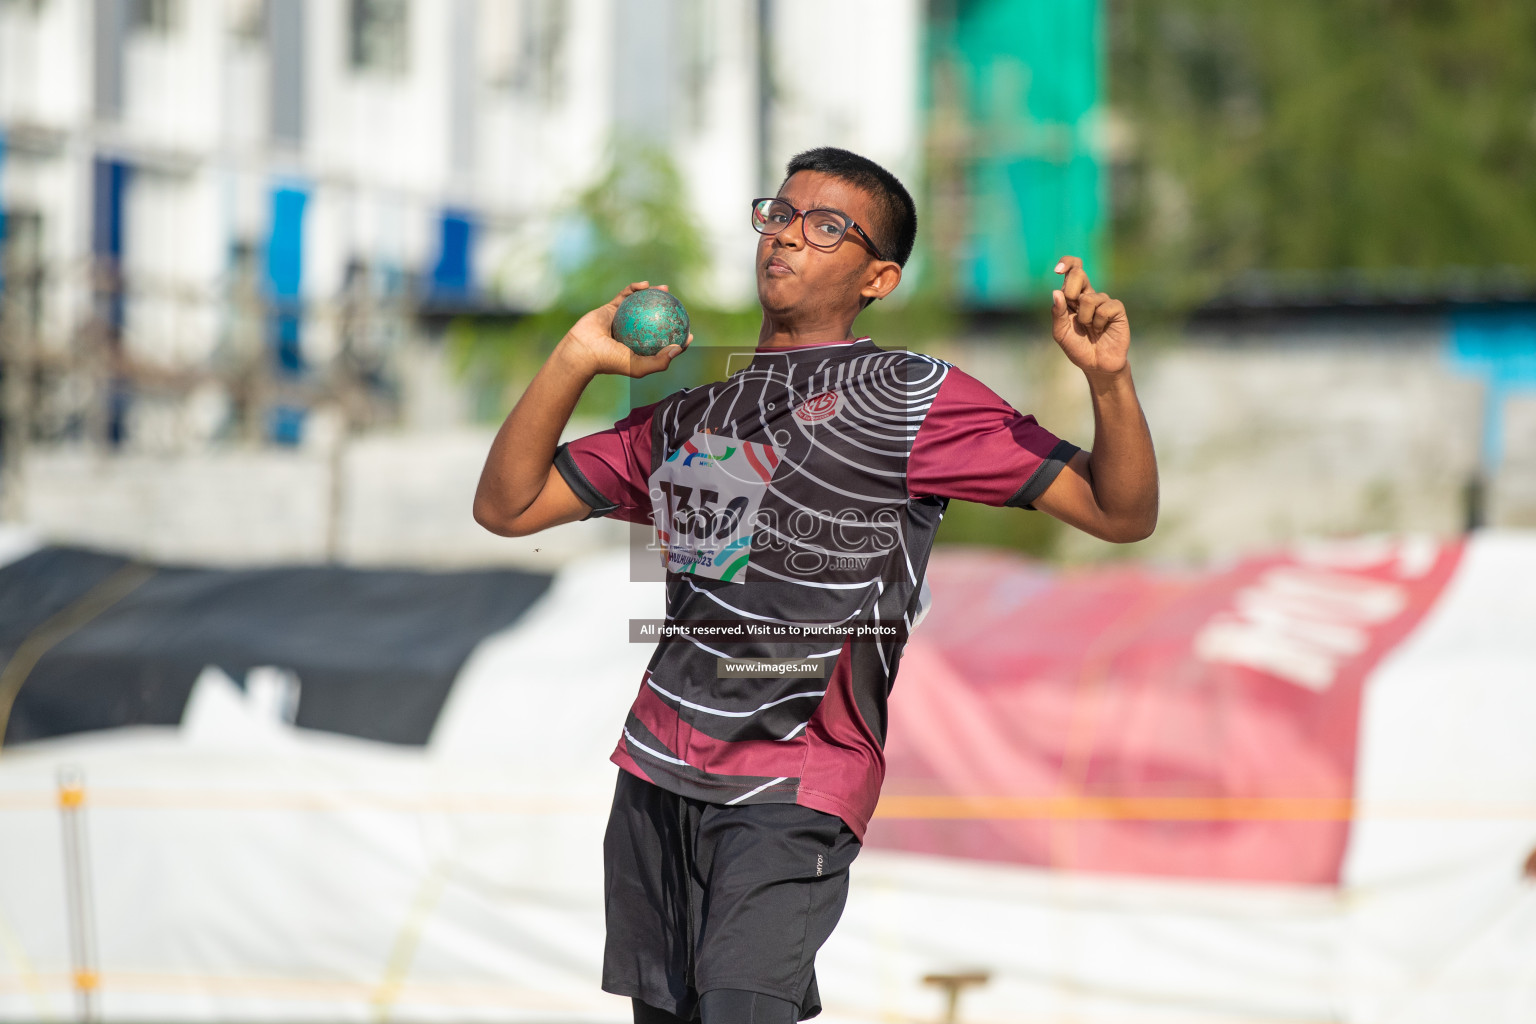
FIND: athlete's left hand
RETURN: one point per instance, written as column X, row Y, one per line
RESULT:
column 1090, row 327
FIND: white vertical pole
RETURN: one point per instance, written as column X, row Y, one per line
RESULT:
column 77, row 889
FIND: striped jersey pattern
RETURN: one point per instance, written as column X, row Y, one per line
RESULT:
column 783, row 496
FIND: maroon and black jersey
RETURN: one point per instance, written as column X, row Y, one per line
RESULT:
column 797, row 499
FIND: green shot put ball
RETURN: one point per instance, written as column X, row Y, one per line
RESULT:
column 650, row 320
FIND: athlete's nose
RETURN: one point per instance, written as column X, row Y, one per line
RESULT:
column 783, row 234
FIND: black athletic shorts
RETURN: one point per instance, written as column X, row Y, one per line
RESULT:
column 704, row 896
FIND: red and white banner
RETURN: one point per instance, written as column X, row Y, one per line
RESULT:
column 1139, row 721
column 1296, row 788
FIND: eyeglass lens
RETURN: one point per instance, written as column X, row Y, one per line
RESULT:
column 823, row 228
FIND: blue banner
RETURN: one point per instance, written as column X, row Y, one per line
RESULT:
column 454, row 273
column 285, row 279
column 1021, row 81
column 285, row 246
column 1498, row 345
column 109, row 191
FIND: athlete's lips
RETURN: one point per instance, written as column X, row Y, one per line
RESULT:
column 774, row 265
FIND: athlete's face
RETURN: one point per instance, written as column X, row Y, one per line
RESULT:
column 799, row 280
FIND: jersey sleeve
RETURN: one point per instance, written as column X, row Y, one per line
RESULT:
column 974, row 446
column 610, row 470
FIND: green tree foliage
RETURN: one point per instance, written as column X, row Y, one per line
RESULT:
column 632, row 224
column 1377, row 135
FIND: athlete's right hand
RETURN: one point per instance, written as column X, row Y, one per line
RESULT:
column 592, row 344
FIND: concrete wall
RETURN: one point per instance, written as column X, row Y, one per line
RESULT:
column 1259, row 444
column 1264, row 439
column 1269, row 446
column 1514, row 500
column 398, row 501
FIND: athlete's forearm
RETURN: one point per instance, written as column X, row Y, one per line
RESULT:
column 520, row 457
column 1123, row 464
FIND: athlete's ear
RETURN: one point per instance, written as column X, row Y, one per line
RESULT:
column 882, row 279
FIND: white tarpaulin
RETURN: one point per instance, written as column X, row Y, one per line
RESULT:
column 240, row 869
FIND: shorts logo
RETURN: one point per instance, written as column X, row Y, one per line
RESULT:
column 818, row 407
column 820, row 862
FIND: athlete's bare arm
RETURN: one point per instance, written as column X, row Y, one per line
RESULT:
column 1110, row 492
column 520, row 490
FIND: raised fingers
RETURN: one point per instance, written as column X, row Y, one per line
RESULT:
column 630, row 289
column 1106, row 313
column 1088, row 303
column 1075, row 282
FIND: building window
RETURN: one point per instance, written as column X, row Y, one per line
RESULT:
column 523, row 45
column 248, row 21
column 32, row 7
column 380, row 34
column 285, row 27
column 162, row 16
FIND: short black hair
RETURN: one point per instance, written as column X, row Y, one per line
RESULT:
column 897, row 230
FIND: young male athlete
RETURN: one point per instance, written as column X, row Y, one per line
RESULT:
column 796, row 503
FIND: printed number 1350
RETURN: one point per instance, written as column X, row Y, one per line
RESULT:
column 703, row 521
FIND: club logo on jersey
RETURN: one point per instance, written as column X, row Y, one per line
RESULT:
column 818, row 407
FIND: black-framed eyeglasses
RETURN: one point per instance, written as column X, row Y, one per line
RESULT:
column 824, row 229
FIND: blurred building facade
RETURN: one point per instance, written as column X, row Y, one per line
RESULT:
column 225, row 217
column 233, row 229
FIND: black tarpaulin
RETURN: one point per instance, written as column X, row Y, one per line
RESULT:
column 121, row 643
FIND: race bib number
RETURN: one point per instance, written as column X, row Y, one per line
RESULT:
column 705, row 498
